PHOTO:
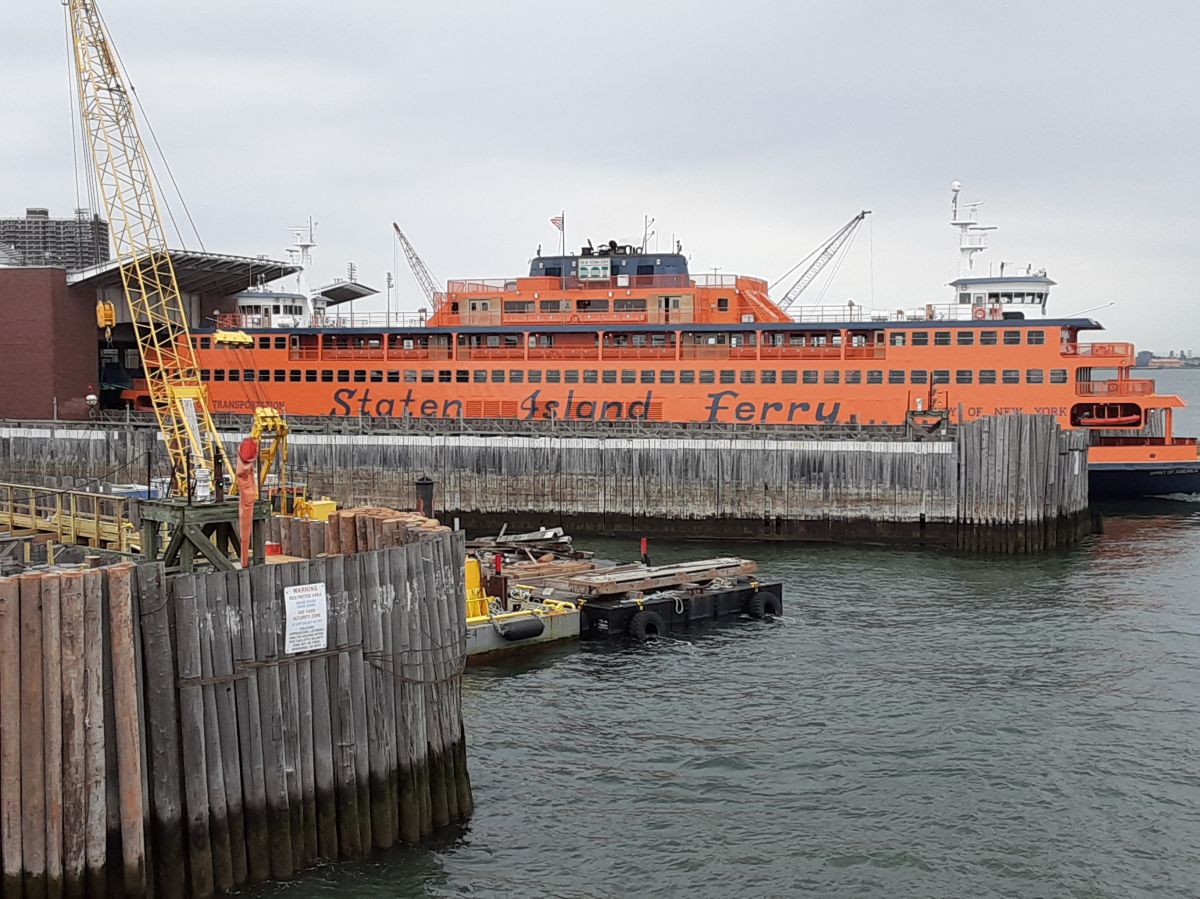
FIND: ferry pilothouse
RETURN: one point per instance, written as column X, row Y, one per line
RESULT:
column 617, row 332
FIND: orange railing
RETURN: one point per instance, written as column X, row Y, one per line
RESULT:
column 1139, row 387
column 330, row 352
column 639, row 352
column 1106, row 350
column 563, row 352
column 866, row 352
column 491, row 352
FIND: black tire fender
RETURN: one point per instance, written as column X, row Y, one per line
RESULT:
column 762, row 604
column 646, row 625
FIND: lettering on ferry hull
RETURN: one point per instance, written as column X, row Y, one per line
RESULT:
column 349, row 401
column 724, row 406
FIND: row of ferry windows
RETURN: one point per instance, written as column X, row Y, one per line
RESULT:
column 898, row 338
column 645, row 376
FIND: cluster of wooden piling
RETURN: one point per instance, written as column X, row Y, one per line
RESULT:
column 354, row 530
column 71, row 765
column 285, row 760
column 1022, row 485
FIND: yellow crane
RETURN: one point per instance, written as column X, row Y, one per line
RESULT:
column 125, row 183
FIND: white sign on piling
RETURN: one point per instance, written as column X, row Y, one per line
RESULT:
column 307, row 617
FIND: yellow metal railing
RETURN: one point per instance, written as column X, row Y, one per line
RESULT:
column 91, row 519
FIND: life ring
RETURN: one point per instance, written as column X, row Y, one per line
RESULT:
column 979, row 313
column 997, row 312
column 574, row 319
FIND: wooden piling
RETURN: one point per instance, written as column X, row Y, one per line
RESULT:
column 250, row 730
column 96, row 835
column 11, row 743
column 33, row 771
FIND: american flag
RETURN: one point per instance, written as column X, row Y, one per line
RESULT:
column 557, row 222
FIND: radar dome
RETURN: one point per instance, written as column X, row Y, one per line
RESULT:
column 956, row 185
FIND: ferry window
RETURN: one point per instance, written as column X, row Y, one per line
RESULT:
column 360, row 376
column 1034, row 376
column 410, row 376
column 1058, row 376
column 535, row 376
column 628, row 376
column 264, row 343
column 553, row 376
column 205, row 343
column 722, row 304
column 461, row 376
column 809, row 376
column 326, row 376
column 498, row 376
column 444, row 376
column 1011, row 376
column 854, row 376
column 767, row 376
column 248, row 374
column 204, row 375
column 687, row 376
column 427, row 376
column 727, row 376
column 639, row 339
column 918, row 376
column 631, row 305
column 281, row 343
column 592, row 305
column 666, row 376
column 987, row 338
column 609, row 376
column 964, row 298
column 987, row 376
column 310, row 376
column 518, row 307
column 234, row 374
column 941, row 338
column 264, row 374
column 920, row 338
column 789, row 376
column 647, row 376
column 219, row 374
column 747, row 377
column 897, row 338
column 1012, row 338
column 964, row 376
column 1035, row 338
column 479, row 376
column 941, row 376
column 571, row 376
column 706, row 376
column 875, row 376
column 590, row 376
column 551, row 306
column 965, row 338
column 376, row 376
column 832, row 376
column 294, row 376
column 516, row 376
column 895, row 376
column 343, row 376
column 393, row 376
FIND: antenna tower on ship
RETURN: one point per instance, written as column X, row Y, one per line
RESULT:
column 301, row 252
column 972, row 236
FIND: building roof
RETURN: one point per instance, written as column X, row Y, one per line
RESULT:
column 344, row 291
column 1004, row 279
column 209, row 273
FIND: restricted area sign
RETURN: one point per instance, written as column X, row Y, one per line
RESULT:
column 307, row 617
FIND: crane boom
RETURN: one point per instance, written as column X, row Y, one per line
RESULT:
column 126, row 185
column 425, row 280
column 824, row 253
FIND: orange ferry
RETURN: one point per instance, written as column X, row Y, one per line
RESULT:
column 620, row 333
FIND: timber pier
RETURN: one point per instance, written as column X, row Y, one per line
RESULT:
column 180, row 735
column 1007, row 484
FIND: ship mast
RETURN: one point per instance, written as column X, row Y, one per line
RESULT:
column 972, row 236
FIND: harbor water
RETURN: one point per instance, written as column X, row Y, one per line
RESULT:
column 919, row 724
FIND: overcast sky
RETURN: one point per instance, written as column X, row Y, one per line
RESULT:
column 749, row 130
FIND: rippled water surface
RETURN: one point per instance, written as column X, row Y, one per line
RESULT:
column 920, row 724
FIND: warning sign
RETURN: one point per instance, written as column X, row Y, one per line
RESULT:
column 307, row 617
